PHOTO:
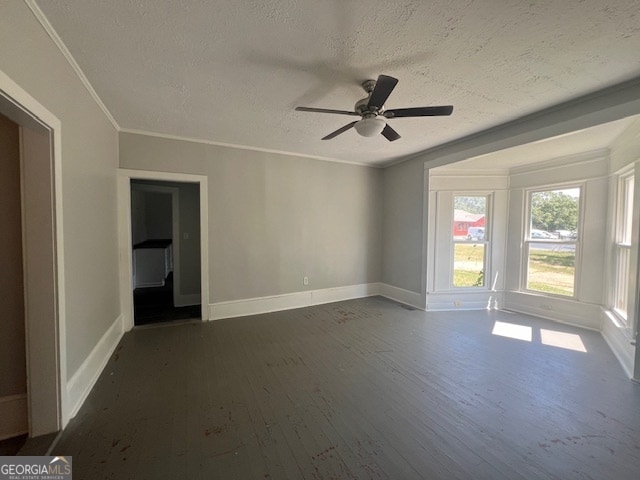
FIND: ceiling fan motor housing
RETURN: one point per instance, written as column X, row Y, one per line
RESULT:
column 362, row 108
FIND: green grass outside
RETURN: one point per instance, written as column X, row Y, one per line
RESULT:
column 468, row 265
column 549, row 271
column 552, row 272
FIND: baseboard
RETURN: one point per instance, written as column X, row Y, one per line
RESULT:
column 459, row 300
column 618, row 342
column 187, row 300
column 288, row 301
column 79, row 386
column 13, row 416
column 401, row 295
column 567, row 311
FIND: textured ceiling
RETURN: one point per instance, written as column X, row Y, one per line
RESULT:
column 232, row 71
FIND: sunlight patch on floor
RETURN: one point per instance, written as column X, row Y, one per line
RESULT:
column 512, row 330
column 570, row 341
column 551, row 338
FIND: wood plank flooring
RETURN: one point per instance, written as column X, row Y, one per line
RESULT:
column 363, row 389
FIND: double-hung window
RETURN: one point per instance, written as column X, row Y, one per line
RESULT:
column 552, row 241
column 622, row 245
column 470, row 240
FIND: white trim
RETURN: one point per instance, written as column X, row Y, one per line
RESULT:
column 245, row 147
column 464, row 300
column 407, row 297
column 288, row 301
column 562, row 162
column 84, row 379
column 568, row 311
column 124, row 235
column 67, row 55
column 29, row 105
column 618, row 342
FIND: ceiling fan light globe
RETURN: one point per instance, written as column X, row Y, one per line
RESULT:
column 370, row 127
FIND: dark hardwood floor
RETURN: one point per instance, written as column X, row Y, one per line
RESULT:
column 155, row 305
column 359, row 389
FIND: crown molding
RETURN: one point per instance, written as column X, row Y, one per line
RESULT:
column 243, row 147
column 67, row 55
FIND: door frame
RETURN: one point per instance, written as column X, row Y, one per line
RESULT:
column 125, row 237
column 27, row 112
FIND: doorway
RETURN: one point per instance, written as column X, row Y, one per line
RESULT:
column 13, row 357
column 165, row 237
column 38, row 276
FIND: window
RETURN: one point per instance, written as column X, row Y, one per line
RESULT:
column 622, row 246
column 551, row 241
column 470, row 240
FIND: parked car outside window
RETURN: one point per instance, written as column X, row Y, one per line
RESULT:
column 475, row 233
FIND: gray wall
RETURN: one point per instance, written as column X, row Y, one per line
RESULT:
column 89, row 161
column 158, row 215
column 274, row 219
column 403, row 226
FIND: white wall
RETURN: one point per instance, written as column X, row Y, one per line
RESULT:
column 88, row 166
column 274, row 219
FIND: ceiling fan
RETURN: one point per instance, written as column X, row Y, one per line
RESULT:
column 373, row 113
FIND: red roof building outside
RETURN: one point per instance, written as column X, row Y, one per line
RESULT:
column 463, row 220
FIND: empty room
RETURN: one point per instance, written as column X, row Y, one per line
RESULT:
column 294, row 239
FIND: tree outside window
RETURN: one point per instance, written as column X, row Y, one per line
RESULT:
column 552, row 240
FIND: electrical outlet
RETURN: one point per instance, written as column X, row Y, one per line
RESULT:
column 305, row 280
column 457, row 303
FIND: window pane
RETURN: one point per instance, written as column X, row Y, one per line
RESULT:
column 627, row 210
column 622, row 280
column 469, row 217
column 554, row 214
column 468, row 265
column 552, row 268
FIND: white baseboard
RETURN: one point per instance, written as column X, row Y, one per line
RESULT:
column 13, row 416
column 459, row 300
column 79, row 386
column 187, row 300
column 618, row 342
column 568, row 311
column 401, row 295
column 274, row 303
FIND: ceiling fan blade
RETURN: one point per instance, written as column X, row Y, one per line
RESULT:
column 339, row 131
column 326, row 110
column 419, row 112
column 390, row 134
column 382, row 90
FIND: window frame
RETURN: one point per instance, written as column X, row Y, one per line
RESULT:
column 527, row 240
column 486, row 242
column 622, row 241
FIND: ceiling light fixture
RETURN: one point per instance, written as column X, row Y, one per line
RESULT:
column 370, row 126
